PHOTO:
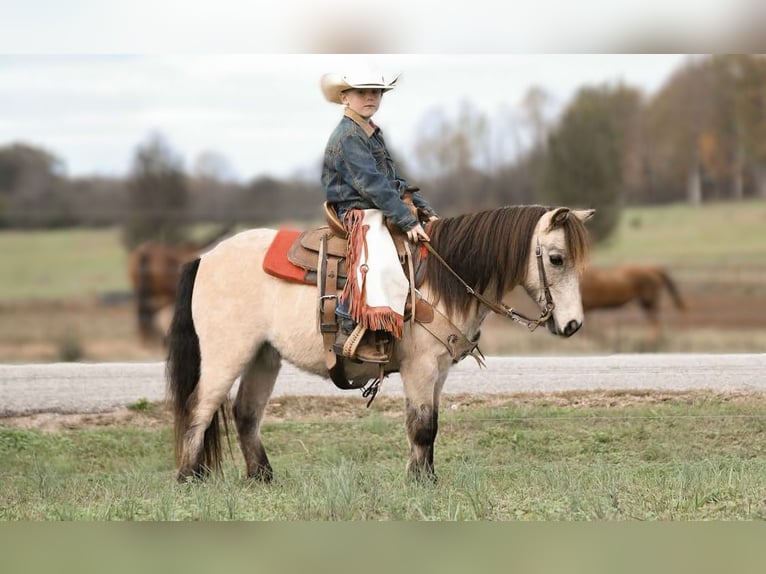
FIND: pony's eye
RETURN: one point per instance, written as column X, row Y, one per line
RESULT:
column 557, row 260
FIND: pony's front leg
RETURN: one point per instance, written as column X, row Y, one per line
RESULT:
column 422, row 421
column 423, row 379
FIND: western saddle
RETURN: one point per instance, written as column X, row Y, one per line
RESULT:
column 322, row 253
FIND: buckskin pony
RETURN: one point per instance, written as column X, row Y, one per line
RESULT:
column 232, row 319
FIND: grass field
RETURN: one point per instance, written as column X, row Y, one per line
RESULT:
column 60, row 265
column 582, row 457
column 682, row 235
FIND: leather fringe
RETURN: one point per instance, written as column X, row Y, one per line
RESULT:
column 373, row 318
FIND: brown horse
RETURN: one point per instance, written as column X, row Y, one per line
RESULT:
column 615, row 287
column 154, row 269
column 233, row 320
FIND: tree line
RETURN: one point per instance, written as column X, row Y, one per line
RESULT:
column 700, row 137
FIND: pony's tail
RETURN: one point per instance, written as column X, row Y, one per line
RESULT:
column 673, row 290
column 144, row 308
column 183, row 359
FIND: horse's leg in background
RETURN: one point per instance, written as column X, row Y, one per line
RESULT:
column 649, row 301
column 654, row 322
column 423, row 378
column 140, row 272
column 255, row 389
column 144, row 303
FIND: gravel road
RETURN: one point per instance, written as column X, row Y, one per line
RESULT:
column 102, row 387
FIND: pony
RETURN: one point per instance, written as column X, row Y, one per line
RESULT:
column 154, row 269
column 232, row 319
column 602, row 288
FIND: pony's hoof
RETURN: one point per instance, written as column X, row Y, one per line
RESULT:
column 185, row 476
column 423, row 477
column 261, row 474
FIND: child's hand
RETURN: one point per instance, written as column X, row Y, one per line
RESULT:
column 417, row 233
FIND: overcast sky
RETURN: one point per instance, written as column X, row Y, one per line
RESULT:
column 395, row 26
column 264, row 113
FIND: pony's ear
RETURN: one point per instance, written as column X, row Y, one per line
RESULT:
column 584, row 214
column 559, row 216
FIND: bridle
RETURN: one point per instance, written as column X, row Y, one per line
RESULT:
column 502, row 308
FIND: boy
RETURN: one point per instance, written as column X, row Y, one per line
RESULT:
column 360, row 181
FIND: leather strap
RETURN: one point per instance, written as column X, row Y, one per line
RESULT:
column 411, row 277
column 458, row 345
column 327, row 280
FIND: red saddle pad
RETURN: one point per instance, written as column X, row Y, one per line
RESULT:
column 276, row 263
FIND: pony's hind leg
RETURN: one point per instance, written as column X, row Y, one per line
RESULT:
column 254, row 392
column 201, row 450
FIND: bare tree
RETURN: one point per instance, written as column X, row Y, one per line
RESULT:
column 158, row 194
column 534, row 105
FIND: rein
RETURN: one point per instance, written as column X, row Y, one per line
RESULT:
column 502, row 308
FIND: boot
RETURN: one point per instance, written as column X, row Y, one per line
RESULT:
column 375, row 347
column 361, row 344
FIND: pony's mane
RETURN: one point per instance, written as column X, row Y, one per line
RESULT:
column 490, row 249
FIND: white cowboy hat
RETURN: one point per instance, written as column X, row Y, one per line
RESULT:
column 334, row 84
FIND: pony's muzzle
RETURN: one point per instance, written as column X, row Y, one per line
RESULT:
column 571, row 328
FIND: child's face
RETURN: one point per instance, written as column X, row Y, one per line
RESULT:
column 364, row 101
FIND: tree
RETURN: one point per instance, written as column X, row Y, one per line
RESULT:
column 586, row 159
column 707, row 128
column 534, row 103
column 212, row 187
column 739, row 82
column 157, row 195
column 31, row 180
column 456, row 157
column 679, row 128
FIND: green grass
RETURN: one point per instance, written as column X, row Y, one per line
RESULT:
column 685, row 458
column 710, row 234
column 59, row 265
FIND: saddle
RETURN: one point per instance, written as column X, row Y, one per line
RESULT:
column 321, row 254
column 304, row 252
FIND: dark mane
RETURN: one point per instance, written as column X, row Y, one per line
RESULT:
column 490, row 249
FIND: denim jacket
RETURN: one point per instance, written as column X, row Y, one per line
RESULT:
column 358, row 173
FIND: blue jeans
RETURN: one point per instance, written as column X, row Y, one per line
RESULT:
column 341, row 309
